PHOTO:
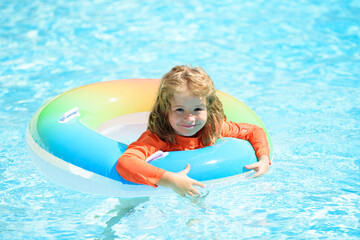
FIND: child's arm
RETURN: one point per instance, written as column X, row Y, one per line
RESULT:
column 180, row 182
column 132, row 167
column 136, row 170
column 257, row 138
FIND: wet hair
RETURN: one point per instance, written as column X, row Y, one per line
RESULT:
column 186, row 80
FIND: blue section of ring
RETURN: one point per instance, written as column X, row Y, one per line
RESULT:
column 85, row 148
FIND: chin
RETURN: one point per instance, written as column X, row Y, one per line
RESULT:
column 188, row 134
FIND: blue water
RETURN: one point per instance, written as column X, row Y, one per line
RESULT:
column 296, row 63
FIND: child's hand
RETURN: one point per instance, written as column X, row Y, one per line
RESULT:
column 261, row 167
column 180, row 182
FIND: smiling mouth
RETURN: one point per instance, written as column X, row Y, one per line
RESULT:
column 188, row 126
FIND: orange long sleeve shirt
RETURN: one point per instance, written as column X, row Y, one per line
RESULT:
column 133, row 167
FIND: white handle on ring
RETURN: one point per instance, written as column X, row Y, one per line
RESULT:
column 73, row 113
column 156, row 155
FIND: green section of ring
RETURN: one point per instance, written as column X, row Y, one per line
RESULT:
column 238, row 111
column 102, row 101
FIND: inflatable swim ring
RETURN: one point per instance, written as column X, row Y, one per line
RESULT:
column 78, row 136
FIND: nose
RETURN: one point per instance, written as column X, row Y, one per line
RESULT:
column 190, row 118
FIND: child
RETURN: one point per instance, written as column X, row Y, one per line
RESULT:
column 187, row 115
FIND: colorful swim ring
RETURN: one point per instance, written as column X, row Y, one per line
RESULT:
column 77, row 137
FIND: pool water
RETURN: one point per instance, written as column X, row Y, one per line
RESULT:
column 295, row 63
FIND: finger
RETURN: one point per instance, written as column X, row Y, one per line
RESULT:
column 194, row 191
column 186, row 170
column 190, row 193
column 196, row 183
column 252, row 166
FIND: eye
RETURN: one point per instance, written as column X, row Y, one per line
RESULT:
column 179, row 110
column 198, row 109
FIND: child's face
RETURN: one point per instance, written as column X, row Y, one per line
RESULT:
column 188, row 114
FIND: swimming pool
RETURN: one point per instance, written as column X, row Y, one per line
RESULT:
column 296, row 64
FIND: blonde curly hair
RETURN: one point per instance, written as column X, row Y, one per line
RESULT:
column 184, row 80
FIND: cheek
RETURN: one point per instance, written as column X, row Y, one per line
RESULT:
column 172, row 119
column 203, row 116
